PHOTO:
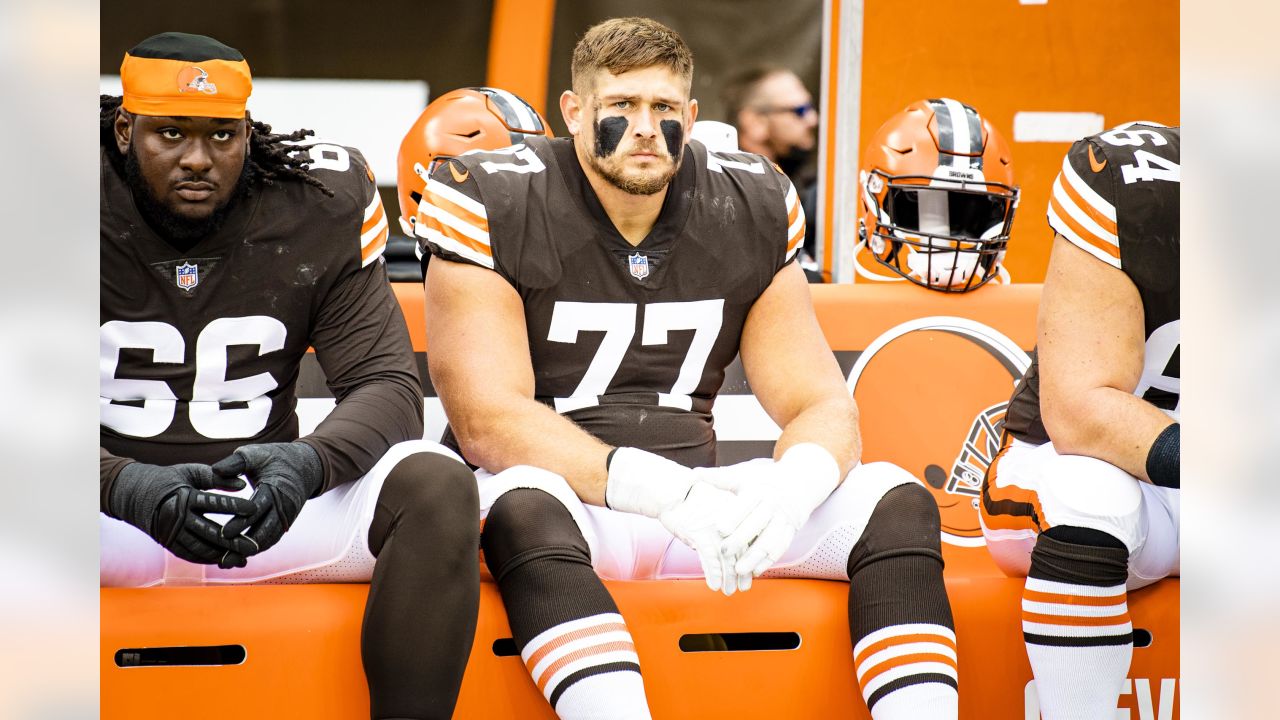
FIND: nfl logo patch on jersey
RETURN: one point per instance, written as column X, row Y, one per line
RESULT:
column 639, row 265
column 188, row 275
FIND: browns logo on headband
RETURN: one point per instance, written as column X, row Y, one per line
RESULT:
column 180, row 75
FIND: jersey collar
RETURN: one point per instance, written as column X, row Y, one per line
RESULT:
column 671, row 218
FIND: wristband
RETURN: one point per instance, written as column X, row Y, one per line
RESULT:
column 644, row 483
column 1162, row 459
column 811, row 470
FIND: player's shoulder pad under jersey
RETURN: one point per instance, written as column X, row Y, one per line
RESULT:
column 1097, row 180
column 759, row 180
column 355, row 202
column 453, row 219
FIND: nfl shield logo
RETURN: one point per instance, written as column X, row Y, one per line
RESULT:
column 639, row 265
column 188, row 276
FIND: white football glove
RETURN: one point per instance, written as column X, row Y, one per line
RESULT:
column 780, row 497
column 647, row 484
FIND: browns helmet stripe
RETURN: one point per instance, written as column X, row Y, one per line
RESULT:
column 974, row 123
column 516, row 114
column 959, row 133
column 946, row 131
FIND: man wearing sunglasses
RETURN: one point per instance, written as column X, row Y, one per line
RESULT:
column 776, row 117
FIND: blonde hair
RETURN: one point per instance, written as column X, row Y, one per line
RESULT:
column 620, row 45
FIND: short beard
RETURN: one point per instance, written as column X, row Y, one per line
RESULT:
column 793, row 160
column 635, row 186
column 181, row 232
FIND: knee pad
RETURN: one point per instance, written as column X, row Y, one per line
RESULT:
column 1087, row 493
column 526, row 524
column 904, row 522
column 428, row 492
column 1083, row 536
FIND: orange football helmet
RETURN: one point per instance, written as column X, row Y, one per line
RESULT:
column 937, row 196
column 477, row 118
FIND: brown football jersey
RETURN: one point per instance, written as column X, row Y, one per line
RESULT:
column 200, row 349
column 1116, row 198
column 630, row 342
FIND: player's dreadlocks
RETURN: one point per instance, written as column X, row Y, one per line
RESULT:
column 270, row 159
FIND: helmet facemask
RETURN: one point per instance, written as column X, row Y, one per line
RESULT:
column 944, row 234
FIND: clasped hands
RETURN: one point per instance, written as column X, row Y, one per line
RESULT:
column 739, row 519
column 170, row 502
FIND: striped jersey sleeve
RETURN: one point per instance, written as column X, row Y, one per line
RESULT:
column 452, row 221
column 373, row 229
column 356, row 202
column 1082, row 207
column 795, row 221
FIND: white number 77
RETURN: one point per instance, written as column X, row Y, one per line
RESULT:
column 618, row 321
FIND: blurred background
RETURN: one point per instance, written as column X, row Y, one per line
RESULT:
column 1044, row 73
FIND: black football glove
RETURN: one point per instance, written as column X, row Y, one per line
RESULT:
column 285, row 475
column 168, row 503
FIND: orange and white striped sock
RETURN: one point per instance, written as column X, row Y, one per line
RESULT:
column 588, row 668
column 1075, row 621
column 908, row 672
column 1080, row 642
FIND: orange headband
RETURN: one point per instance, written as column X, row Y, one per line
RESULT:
column 181, row 88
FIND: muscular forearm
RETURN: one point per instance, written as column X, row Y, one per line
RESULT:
column 831, row 423
column 367, row 421
column 1108, row 424
column 499, row 433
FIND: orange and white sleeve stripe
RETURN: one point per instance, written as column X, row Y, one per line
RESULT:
column 455, row 223
column 567, row 648
column 795, row 222
column 373, row 231
column 1082, row 216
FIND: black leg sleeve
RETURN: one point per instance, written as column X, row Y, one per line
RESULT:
column 420, row 619
column 895, row 576
column 895, row 569
column 542, row 564
column 543, row 567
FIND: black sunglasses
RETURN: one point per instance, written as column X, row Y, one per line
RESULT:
column 800, row 111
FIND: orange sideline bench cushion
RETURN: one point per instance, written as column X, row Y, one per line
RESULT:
column 302, row 658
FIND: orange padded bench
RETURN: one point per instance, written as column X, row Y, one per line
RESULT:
column 302, row 652
column 928, row 368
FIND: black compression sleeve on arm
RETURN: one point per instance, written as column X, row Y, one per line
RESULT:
column 109, row 467
column 363, row 346
column 1162, row 459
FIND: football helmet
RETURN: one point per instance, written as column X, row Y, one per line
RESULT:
column 936, row 196
column 476, row 118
